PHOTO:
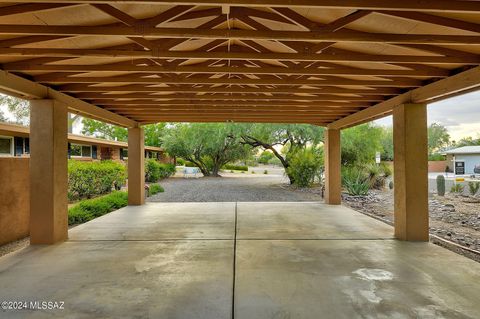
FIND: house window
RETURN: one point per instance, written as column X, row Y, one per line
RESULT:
column 124, row 153
column 6, row 146
column 80, row 150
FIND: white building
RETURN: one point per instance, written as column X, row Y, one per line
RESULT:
column 466, row 158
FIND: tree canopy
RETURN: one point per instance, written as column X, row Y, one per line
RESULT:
column 19, row 108
column 438, row 138
column 207, row 145
column 153, row 132
column 361, row 143
column 283, row 140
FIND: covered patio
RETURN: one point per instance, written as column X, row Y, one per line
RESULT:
column 241, row 260
column 330, row 63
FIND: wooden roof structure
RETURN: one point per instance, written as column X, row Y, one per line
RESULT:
column 323, row 62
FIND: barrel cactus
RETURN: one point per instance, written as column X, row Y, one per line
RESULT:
column 441, row 185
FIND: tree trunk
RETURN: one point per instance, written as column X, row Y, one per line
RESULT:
column 215, row 170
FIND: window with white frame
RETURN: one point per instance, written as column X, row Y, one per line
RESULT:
column 6, row 146
column 78, row 150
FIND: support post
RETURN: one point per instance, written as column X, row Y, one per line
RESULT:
column 48, row 172
column 136, row 166
column 333, row 185
column 410, row 172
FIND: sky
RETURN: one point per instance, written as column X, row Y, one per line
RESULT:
column 460, row 115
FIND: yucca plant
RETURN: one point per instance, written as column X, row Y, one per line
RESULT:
column 473, row 187
column 457, row 188
column 356, row 181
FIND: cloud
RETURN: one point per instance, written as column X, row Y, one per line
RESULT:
column 460, row 115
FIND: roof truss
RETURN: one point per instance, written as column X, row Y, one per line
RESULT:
column 242, row 60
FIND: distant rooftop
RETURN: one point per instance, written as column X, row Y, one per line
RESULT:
column 464, row 150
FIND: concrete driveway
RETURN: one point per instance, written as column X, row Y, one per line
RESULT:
column 239, row 260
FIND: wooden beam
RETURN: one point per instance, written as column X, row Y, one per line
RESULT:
column 229, row 98
column 265, row 56
column 405, row 5
column 30, row 7
column 220, row 102
column 183, row 33
column 235, row 81
column 435, row 91
column 17, row 86
column 234, row 106
column 251, row 113
column 98, row 91
column 234, row 97
column 438, row 20
column 153, row 69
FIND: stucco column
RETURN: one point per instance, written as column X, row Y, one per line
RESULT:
column 48, row 172
column 410, row 172
column 333, row 184
column 136, row 166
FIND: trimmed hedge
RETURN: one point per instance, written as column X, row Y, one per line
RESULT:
column 90, row 179
column 155, row 171
column 236, row 167
column 92, row 208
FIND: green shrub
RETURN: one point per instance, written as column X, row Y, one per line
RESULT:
column 473, row 187
column 167, row 170
column 441, row 185
column 154, row 171
column 253, row 172
column 377, row 174
column 236, row 167
column 356, row 181
column 155, row 189
column 304, row 167
column 89, row 179
column 189, row 164
column 390, row 185
column 265, row 172
column 92, row 208
column 180, row 162
column 457, row 188
column 436, row 157
column 265, row 157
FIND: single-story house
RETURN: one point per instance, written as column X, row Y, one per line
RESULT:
column 14, row 141
column 465, row 159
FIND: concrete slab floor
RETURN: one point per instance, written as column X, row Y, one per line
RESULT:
column 292, row 260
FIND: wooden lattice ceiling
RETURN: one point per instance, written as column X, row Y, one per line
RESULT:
column 313, row 62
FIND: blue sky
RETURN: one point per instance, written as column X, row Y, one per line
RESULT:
column 460, row 114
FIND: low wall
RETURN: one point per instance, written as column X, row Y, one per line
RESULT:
column 437, row 166
column 14, row 199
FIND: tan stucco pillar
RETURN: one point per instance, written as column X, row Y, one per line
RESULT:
column 410, row 172
column 48, row 172
column 333, row 184
column 136, row 166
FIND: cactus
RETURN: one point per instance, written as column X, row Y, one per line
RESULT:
column 440, row 185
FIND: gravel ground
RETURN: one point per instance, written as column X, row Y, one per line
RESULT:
column 231, row 187
column 14, row 246
column 452, row 217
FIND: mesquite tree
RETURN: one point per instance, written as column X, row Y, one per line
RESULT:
column 283, row 140
column 207, row 145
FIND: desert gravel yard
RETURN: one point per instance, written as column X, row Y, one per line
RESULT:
column 231, row 187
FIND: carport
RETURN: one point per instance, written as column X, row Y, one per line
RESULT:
column 329, row 63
